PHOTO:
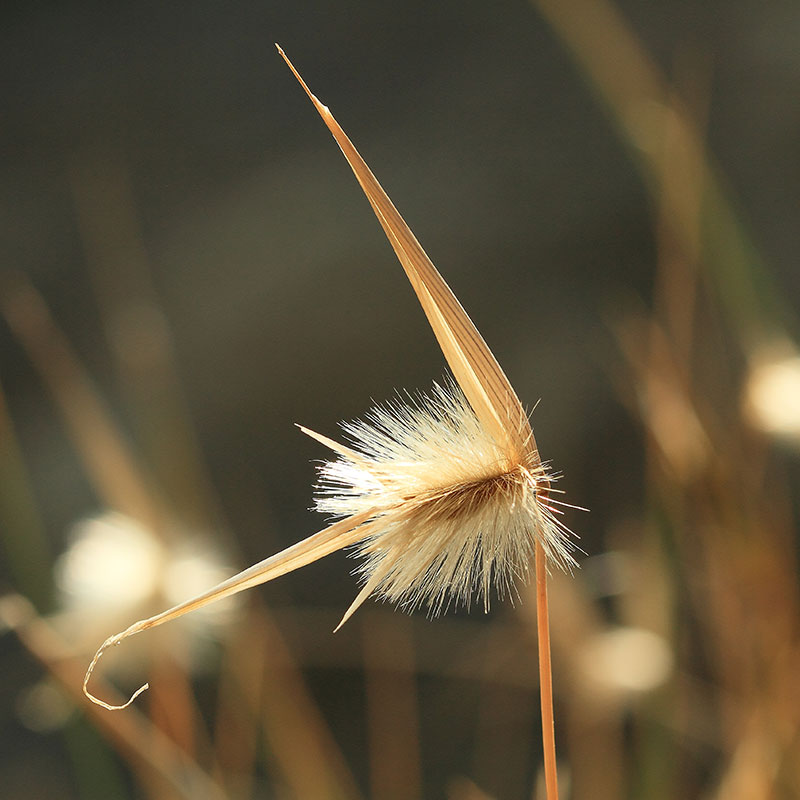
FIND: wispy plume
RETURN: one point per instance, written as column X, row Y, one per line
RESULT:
column 452, row 512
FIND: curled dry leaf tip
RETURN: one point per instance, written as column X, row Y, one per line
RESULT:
column 112, row 641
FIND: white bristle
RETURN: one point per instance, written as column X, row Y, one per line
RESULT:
column 453, row 515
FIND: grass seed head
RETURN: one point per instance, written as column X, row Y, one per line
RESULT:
column 442, row 497
column 452, row 513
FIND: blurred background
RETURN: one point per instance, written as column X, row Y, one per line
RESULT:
column 189, row 268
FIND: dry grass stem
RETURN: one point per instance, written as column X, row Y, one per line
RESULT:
column 112, row 468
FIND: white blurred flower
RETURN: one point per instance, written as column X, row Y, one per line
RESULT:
column 190, row 572
column 115, row 570
column 112, row 562
column 772, row 394
column 627, row 660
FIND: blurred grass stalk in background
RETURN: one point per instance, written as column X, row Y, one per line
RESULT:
column 676, row 650
column 718, row 529
column 286, row 711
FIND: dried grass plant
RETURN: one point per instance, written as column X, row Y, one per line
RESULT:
column 677, row 645
column 443, row 496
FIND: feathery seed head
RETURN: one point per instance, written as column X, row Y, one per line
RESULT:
column 451, row 513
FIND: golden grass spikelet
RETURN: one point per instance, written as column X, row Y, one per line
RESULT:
column 452, row 514
column 442, row 496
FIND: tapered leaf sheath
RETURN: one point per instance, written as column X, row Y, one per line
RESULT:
column 474, row 366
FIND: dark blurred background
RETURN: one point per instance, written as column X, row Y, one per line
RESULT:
column 189, row 268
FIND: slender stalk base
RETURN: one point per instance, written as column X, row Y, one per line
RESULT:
column 545, row 677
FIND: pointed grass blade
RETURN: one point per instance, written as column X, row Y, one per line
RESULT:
column 474, row 366
column 341, row 534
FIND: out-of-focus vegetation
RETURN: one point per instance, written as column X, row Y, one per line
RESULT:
column 610, row 192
